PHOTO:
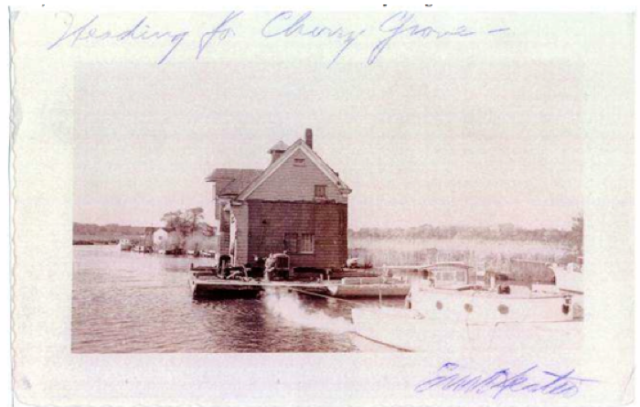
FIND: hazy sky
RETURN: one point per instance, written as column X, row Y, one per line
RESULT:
column 465, row 143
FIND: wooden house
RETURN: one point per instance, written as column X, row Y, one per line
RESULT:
column 297, row 205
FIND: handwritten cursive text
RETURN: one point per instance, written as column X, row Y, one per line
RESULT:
column 449, row 377
column 141, row 31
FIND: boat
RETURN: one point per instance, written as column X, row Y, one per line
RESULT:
column 222, row 281
column 174, row 251
column 209, row 284
column 142, row 249
column 350, row 287
column 473, row 318
column 568, row 280
column 125, row 245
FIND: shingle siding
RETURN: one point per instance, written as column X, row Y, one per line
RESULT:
column 270, row 221
column 284, row 202
column 293, row 182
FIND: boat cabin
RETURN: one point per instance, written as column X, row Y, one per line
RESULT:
column 449, row 274
column 445, row 274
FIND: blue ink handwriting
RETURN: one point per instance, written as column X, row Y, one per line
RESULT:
column 285, row 24
column 281, row 25
column 140, row 31
column 398, row 24
column 222, row 31
column 531, row 380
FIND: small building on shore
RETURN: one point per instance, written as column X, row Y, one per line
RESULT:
column 297, row 205
column 165, row 239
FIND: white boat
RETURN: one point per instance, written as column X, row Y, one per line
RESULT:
column 125, row 245
column 568, row 278
column 354, row 287
column 473, row 319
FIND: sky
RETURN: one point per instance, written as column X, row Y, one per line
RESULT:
column 462, row 141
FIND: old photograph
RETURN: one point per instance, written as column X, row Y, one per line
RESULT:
column 414, row 207
column 249, row 208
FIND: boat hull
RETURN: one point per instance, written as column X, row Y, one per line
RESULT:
column 371, row 290
column 410, row 330
column 216, row 288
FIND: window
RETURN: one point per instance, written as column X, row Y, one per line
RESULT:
column 320, row 191
column 291, row 242
column 307, row 243
column 298, row 162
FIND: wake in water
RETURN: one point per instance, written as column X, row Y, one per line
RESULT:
column 289, row 307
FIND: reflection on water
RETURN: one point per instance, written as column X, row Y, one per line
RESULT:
column 132, row 302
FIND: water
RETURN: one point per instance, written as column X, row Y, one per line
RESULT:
column 131, row 302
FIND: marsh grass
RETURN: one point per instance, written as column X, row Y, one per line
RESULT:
column 497, row 254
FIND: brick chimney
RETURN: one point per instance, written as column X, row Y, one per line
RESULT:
column 308, row 138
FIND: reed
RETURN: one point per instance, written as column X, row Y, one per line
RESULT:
column 476, row 252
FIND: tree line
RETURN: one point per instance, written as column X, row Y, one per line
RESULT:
column 573, row 237
column 185, row 223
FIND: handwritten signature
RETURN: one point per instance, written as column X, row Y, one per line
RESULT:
column 284, row 24
column 449, row 377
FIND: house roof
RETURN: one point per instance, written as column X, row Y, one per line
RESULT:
column 299, row 145
column 279, row 146
column 242, row 182
column 236, row 179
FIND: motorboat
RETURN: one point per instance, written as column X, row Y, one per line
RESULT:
column 460, row 316
column 213, row 286
column 568, row 280
column 233, row 283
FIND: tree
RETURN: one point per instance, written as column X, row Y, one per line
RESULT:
column 576, row 235
column 184, row 223
column 173, row 221
column 193, row 219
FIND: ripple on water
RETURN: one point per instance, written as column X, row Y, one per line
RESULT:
column 131, row 302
